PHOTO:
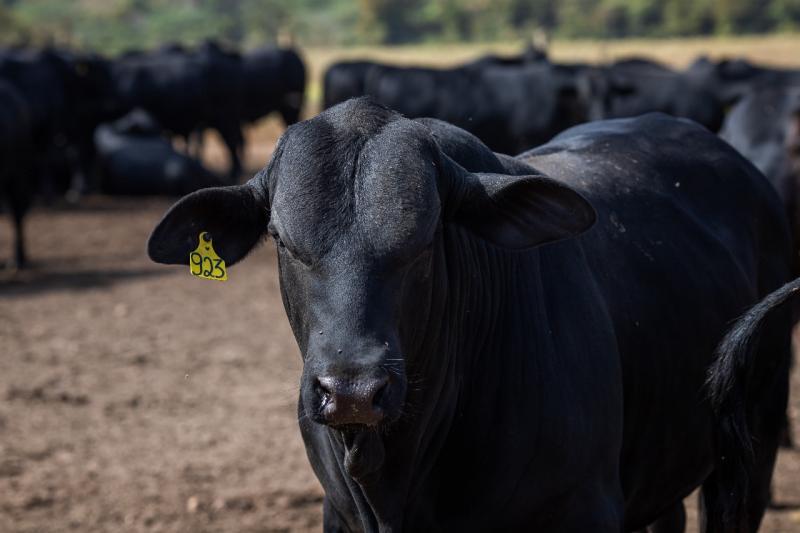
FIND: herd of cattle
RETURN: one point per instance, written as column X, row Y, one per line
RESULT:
column 516, row 103
column 83, row 122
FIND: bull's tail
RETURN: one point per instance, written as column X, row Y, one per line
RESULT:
column 727, row 386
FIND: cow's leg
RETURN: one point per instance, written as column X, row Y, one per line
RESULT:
column 673, row 520
column 197, row 142
column 19, row 193
column 18, row 208
column 77, row 181
column 190, row 144
column 786, row 432
column 760, row 490
column 591, row 509
column 767, row 426
column 232, row 136
column 707, row 502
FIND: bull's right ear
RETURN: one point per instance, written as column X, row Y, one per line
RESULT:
column 235, row 216
column 514, row 211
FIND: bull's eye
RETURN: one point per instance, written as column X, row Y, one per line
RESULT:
column 285, row 251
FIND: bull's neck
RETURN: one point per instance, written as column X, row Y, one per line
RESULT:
column 474, row 316
column 494, row 305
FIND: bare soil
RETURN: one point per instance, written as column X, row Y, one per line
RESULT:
column 134, row 397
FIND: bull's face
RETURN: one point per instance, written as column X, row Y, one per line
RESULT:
column 358, row 201
column 355, row 230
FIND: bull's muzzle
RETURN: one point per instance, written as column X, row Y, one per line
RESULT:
column 352, row 401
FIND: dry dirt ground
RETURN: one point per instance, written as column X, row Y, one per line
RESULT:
column 134, row 397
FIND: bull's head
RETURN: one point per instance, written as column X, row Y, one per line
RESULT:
column 358, row 201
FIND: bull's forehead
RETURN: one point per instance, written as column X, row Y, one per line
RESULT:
column 371, row 191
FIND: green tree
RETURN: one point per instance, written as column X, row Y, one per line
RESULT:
column 688, row 17
column 116, row 25
column 784, row 14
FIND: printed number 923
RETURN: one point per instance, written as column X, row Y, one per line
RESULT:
column 205, row 267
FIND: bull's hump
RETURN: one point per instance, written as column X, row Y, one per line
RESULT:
column 357, row 172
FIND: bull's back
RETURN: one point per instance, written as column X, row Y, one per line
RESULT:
column 661, row 182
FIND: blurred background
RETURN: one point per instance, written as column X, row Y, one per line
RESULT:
column 118, row 25
column 433, row 31
column 134, row 397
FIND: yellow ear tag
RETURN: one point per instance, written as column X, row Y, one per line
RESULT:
column 204, row 261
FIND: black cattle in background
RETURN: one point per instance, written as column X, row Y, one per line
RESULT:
column 764, row 126
column 274, row 81
column 344, row 80
column 530, row 54
column 92, row 101
column 544, row 323
column 424, row 92
column 187, row 91
column 37, row 77
column 173, row 47
column 733, row 79
column 513, row 104
column 639, row 63
column 636, row 86
column 347, row 79
column 510, row 108
column 67, row 95
column 17, row 174
column 133, row 158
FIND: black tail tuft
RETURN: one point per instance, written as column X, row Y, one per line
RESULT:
column 727, row 388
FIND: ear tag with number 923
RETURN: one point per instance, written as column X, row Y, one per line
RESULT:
column 204, row 261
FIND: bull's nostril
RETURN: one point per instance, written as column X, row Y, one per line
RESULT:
column 323, row 389
column 354, row 401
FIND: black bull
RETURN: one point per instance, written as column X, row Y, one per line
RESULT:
column 459, row 376
column 16, row 162
column 187, row 91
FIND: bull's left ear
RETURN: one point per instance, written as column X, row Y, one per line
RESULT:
column 235, row 216
column 520, row 212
